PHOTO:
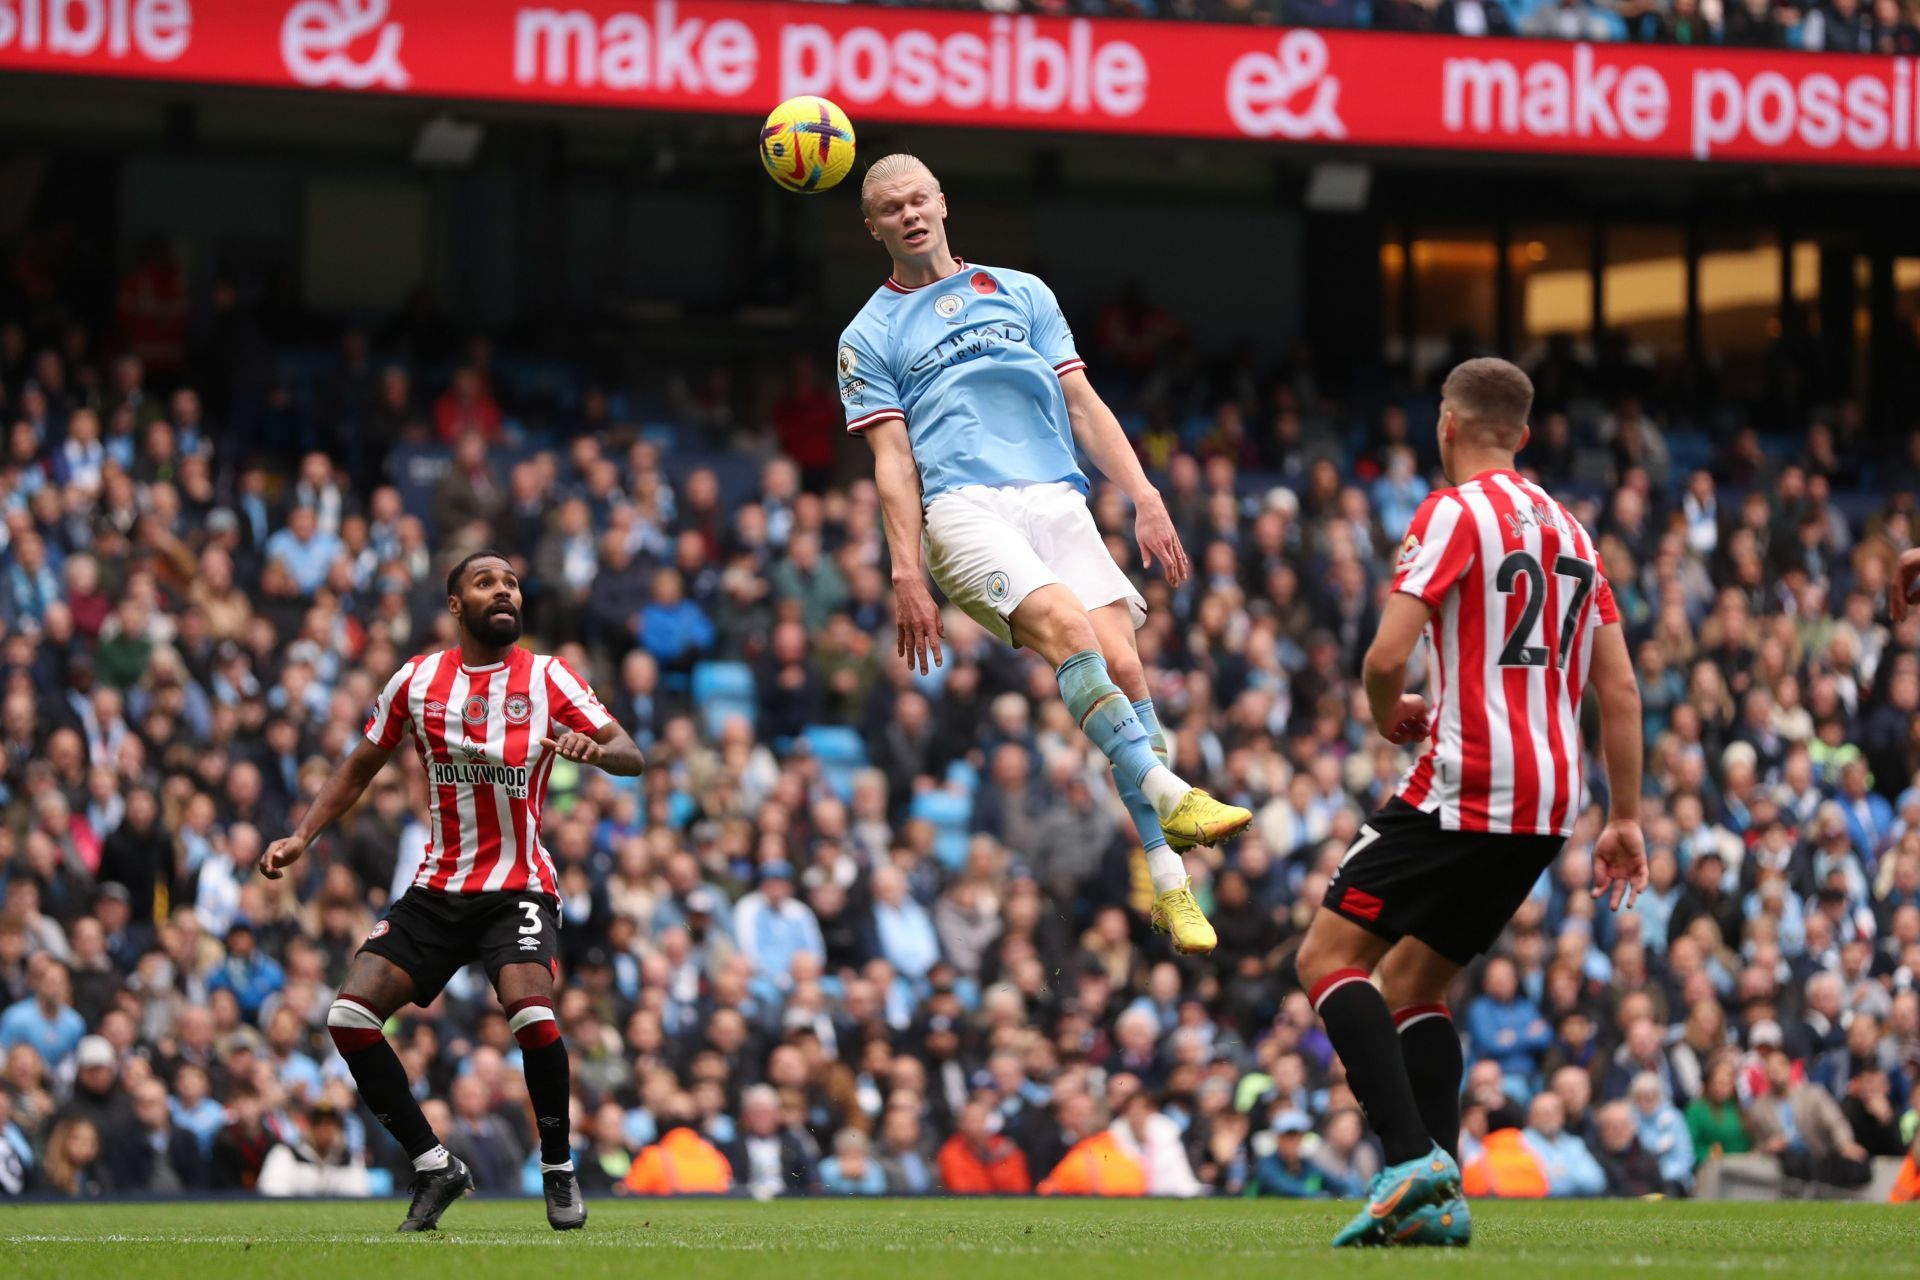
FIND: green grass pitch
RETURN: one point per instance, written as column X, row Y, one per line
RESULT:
column 937, row 1239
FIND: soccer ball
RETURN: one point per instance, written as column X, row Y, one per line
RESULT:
column 807, row 144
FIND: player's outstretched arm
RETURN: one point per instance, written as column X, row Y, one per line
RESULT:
column 609, row 749
column 917, row 625
column 1103, row 439
column 1401, row 717
column 337, row 796
column 1620, row 854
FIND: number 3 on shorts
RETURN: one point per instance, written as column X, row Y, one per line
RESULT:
column 533, row 915
column 1366, row 837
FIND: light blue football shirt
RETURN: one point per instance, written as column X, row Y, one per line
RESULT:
column 973, row 363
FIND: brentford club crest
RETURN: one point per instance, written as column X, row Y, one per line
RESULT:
column 517, row 709
column 475, row 711
column 379, row 930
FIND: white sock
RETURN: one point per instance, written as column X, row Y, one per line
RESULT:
column 1168, row 869
column 557, row 1168
column 1163, row 789
column 434, row 1159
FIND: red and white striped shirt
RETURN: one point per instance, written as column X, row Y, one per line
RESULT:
column 1516, row 588
column 478, row 731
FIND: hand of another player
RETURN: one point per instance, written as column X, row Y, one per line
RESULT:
column 574, row 746
column 280, row 855
column 1409, row 723
column 1153, row 529
column 917, row 624
column 1903, row 579
column 1620, row 863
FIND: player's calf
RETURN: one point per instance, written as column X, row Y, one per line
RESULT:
column 358, row 1032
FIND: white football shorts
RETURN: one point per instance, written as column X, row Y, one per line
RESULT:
column 991, row 546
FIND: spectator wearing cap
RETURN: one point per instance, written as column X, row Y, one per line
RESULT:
column 773, row 926
column 1283, row 1169
column 46, row 1019
column 248, row 972
column 97, row 1096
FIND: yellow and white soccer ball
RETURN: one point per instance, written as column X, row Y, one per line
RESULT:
column 807, row 144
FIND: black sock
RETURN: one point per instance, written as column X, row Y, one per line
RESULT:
column 383, row 1087
column 1431, row 1048
column 550, row 1088
column 1362, row 1032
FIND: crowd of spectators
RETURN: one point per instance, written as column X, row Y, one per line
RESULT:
column 859, row 930
column 1841, row 26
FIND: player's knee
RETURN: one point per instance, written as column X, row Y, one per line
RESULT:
column 354, row 1026
column 1052, row 624
column 1123, row 666
column 532, row 1022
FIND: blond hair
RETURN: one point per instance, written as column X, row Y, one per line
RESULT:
column 887, row 168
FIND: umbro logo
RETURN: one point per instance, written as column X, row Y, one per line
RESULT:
column 529, row 944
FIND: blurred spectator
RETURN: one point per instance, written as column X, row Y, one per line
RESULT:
column 1802, row 1125
column 977, row 1161
column 1570, row 1168
column 851, row 1170
column 1716, row 1125
column 315, row 1163
column 1631, row 1169
column 1285, row 1170
column 768, row 1158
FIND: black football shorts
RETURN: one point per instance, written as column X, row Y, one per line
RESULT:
column 1404, row 876
column 430, row 935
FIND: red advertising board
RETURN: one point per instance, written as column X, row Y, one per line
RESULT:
column 1345, row 88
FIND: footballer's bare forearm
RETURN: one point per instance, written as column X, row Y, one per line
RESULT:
column 620, row 755
column 1384, row 687
column 1622, row 745
column 1099, row 433
column 1384, row 670
column 898, row 481
column 1621, row 742
column 342, row 789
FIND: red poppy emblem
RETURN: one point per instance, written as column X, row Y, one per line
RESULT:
column 982, row 283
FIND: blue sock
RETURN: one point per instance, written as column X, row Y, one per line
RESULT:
column 1104, row 715
column 1155, row 735
column 1145, row 821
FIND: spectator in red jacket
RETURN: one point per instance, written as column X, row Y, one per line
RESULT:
column 977, row 1162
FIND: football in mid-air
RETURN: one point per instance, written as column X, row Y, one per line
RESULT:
column 807, row 144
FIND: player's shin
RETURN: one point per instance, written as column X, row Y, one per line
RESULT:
column 357, row 1033
column 543, row 1057
column 1430, row 1046
column 1156, row 737
column 1106, row 716
column 1168, row 869
column 1362, row 1032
